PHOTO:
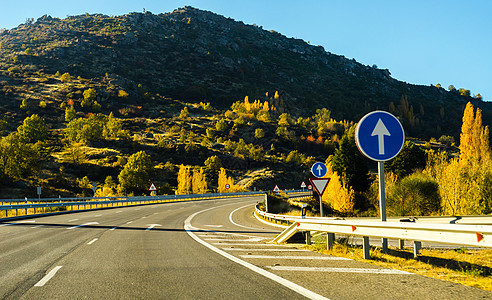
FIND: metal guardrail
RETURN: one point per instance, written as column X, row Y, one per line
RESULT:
column 456, row 234
column 80, row 204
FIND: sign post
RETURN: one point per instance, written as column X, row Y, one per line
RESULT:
column 380, row 136
column 152, row 189
column 319, row 170
column 320, row 185
column 94, row 188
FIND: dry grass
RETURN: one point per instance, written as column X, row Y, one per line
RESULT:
column 464, row 266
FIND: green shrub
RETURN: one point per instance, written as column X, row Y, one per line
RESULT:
column 416, row 194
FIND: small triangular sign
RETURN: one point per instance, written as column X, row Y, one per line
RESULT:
column 276, row 189
column 303, row 184
column 152, row 187
column 320, row 184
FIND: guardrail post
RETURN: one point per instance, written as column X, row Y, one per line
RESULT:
column 366, row 247
column 417, row 245
column 330, row 239
column 266, row 203
column 308, row 237
column 401, row 244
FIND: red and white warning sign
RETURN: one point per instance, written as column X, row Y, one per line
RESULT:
column 303, row 185
column 227, row 186
column 320, row 184
column 276, row 189
column 152, row 188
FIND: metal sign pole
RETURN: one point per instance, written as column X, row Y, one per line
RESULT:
column 382, row 200
column 321, row 205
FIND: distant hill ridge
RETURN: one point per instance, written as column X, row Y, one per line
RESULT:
column 196, row 55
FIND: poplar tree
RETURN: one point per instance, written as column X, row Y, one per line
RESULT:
column 184, row 180
column 199, row 182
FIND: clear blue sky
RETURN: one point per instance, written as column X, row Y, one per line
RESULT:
column 420, row 42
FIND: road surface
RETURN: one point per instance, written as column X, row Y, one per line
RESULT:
column 212, row 249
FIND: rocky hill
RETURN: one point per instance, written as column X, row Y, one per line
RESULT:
column 196, row 55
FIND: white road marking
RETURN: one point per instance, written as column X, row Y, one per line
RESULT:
column 97, row 215
column 113, row 228
column 73, row 220
column 48, row 276
column 266, row 250
column 253, row 240
column 85, row 224
column 339, row 270
column 215, row 226
column 129, row 222
column 119, row 211
column 92, row 242
column 1, row 225
column 239, row 225
column 244, row 244
column 289, row 284
column 295, row 257
column 22, row 222
column 37, row 226
column 152, row 226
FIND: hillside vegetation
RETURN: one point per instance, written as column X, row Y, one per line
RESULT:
column 192, row 101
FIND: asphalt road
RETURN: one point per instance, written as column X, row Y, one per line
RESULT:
column 194, row 250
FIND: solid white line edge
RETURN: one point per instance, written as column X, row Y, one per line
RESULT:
column 295, row 287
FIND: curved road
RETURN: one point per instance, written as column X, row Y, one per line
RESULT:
column 212, row 249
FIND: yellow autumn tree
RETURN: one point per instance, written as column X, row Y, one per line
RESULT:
column 336, row 195
column 199, row 182
column 474, row 137
column 224, row 180
column 184, row 180
column 465, row 183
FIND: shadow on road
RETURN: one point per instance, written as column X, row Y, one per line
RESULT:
column 53, row 225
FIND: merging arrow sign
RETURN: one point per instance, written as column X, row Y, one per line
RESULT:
column 380, row 130
column 320, row 184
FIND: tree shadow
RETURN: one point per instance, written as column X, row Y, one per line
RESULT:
column 447, row 263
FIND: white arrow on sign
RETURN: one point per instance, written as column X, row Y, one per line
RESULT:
column 380, row 130
column 319, row 169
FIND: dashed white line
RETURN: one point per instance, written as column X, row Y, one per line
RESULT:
column 113, row 228
column 48, row 276
column 92, row 242
column 339, row 270
column 73, row 220
column 129, row 222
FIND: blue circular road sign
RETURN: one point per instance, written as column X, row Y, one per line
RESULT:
column 379, row 136
column 319, row 169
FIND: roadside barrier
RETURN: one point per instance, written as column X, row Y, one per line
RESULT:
column 14, row 208
column 455, row 234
